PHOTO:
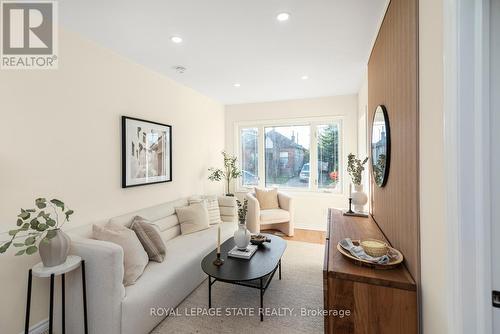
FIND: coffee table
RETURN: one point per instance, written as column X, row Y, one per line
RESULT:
column 255, row 273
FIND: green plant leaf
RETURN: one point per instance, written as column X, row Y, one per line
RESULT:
column 34, row 223
column 21, row 252
column 57, row 203
column 19, row 222
column 25, row 227
column 42, row 227
column 45, row 240
column 30, row 210
column 31, row 249
column 29, row 241
column 13, row 232
column 4, row 247
column 19, row 244
column 24, row 214
column 40, row 203
column 50, row 234
column 51, row 222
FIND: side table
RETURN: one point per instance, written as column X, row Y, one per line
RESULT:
column 39, row 270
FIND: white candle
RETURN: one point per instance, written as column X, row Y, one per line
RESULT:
column 350, row 190
column 218, row 239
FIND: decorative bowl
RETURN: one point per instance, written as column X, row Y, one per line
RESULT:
column 374, row 247
column 258, row 239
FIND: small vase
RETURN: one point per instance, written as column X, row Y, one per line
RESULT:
column 359, row 198
column 55, row 251
column 242, row 237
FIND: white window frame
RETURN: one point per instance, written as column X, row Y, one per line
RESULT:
column 313, row 123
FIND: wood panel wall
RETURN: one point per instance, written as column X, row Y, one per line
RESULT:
column 393, row 82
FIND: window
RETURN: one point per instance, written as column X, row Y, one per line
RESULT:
column 287, row 151
column 249, row 158
column 302, row 155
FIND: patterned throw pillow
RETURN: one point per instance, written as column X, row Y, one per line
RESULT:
column 212, row 205
column 150, row 238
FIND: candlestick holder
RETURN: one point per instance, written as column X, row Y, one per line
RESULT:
column 350, row 206
column 218, row 261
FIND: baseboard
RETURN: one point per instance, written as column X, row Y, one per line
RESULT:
column 40, row 328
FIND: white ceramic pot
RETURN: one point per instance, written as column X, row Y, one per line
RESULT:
column 359, row 198
column 242, row 237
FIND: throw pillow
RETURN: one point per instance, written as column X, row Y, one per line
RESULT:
column 268, row 198
column 212, row 205
column 150, row 238
column 192, row 218
column 135, row 257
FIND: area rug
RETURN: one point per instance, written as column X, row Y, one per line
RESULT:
column 293, row 305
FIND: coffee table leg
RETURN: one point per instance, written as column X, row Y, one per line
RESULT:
column 280, row 270
column 261, row 301
column 209, row 292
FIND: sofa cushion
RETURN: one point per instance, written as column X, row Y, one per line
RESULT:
column 193, row 218
column 274, row 215
column 268, row 198
column 150, row 238
column 135, row 257
column 166, row 284
column 212, row 205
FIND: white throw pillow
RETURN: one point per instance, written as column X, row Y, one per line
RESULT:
column 135, row 257
column 268, row 198
column 193, row 218
column 212, row 205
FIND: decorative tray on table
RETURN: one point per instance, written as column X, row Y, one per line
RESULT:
column 395, row 257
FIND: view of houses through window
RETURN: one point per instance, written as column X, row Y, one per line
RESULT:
column 293, row 156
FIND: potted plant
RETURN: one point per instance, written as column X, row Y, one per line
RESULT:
column 334, row 177
column 39, row 229
column 242, row 235
column 355, row 168
column 230, row 171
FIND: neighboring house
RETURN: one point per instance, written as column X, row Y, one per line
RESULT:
column 284, row 157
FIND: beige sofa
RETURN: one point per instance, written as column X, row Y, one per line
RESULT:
column 113, row 308
column 279, row 219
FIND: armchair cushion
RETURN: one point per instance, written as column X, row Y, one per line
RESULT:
column 268, row 198
column 274, row 216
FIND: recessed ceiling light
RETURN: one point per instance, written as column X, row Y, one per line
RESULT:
column 304, row 77
column 176, row 39
column 282, row 17
column 179, row 69
column 237, row 85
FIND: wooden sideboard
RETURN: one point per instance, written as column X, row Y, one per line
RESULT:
column 378, row 301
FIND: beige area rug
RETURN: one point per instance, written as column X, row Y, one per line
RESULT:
column 300, row 291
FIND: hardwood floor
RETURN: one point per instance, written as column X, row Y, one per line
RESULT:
column 312, row 236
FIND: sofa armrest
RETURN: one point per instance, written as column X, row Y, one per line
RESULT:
column 228, row 208
column 104, row 284
column 253, row 214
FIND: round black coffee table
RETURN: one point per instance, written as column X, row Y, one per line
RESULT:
column 255, row 273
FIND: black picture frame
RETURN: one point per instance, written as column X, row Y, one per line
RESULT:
column 385, row 175
column 125, row 151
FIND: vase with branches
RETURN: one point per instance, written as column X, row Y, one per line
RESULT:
column 39, row 229
column 228, row 173
column 355, row 168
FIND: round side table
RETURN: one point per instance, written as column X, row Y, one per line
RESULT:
column 39, row 270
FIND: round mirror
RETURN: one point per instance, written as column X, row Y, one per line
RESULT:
column 381, row 146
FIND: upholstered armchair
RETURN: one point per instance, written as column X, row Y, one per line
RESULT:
column 279, row 218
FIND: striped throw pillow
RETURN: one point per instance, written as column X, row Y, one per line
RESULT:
column 212, row 205
column 150, row 238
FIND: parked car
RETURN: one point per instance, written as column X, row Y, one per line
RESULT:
column 304, row 173
column 249, row 178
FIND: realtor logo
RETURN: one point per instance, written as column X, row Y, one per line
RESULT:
column 29, row 35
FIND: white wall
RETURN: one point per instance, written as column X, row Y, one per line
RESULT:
column 432, row 219
column 311, row 208
column 363, row 133
column 61, row 138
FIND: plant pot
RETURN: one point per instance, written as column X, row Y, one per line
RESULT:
column 242, row 237
column 359, row 198
column 55, row 251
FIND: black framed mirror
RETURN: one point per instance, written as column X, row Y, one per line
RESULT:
column 380, row 146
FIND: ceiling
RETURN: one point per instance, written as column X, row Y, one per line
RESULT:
column 239, row 41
